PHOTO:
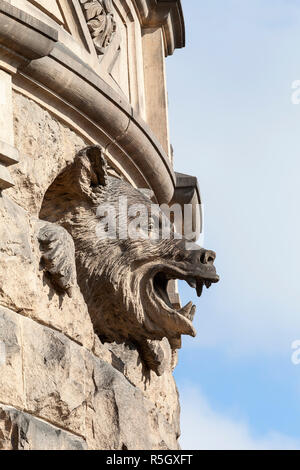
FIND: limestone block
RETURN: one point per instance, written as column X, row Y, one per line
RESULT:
column 160, row 390
column 54, row 371
column 71, row 388
column 21, row 431
column 24, row 287
column 58, row 311
column 101, row 351
column 11, row 377
column 119, row 416
column 17, row 269
column 69, row 316
column 45, row 145
column 116, row 417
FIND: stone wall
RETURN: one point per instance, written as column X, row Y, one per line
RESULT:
column 65, row 84
column 59, row 386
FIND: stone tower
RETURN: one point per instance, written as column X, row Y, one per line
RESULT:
column 83, row 92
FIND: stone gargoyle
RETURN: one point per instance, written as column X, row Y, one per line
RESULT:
column 124, row 281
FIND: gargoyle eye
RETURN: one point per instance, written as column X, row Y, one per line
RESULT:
column 152, row 225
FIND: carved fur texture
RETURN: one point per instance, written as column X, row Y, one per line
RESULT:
column 124, row 281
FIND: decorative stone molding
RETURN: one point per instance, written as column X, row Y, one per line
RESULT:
column 101, row 23
column 36, row 53
column 187, row 192
column 35, row 39
column 6, row 180
column 166, row 14
column 8, row 156
column 8, row 153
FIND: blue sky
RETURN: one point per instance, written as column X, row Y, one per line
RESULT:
column 233, row 125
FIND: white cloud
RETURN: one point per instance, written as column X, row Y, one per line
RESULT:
column 202, row 428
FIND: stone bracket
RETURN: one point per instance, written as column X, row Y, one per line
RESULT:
column 166, row 14
column 187, row 192
column 8, row 156
column 5, row 178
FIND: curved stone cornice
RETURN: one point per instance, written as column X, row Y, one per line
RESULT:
column 23, row 37
column 167, row 14
column 34, row 50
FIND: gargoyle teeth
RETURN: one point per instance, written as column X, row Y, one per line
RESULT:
column 188, row 311
column 199, row 287
column 198, row 283
column 192, row 282
column 185, row 311
column 192, row 312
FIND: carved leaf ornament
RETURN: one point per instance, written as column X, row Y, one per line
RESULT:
column 99, row 16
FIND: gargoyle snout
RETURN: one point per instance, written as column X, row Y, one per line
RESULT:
column 196, row 255
column 205, row 256
column 199, row 256
column 203, row 264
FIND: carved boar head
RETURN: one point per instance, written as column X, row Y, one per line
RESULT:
column 124, row 280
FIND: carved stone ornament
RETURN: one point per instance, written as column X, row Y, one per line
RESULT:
column 58, row 256
column 124, row 281
column 101, row 23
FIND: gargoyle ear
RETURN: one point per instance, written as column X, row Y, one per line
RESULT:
column 84, row 178
column 93, row 166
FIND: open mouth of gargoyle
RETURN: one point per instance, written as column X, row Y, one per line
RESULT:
column 161, row 282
